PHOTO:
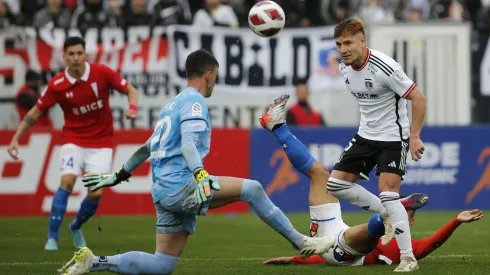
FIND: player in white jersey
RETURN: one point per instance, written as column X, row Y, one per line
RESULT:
column 381, row 89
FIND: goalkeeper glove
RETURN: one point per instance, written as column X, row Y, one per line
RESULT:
column 203, row 189
column 105, row 180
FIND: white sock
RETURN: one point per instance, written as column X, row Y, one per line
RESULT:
column 399, row 221
column 355, row 194
column 324, row 218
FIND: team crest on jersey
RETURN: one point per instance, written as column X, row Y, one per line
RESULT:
column 341, row 255
column 369, row 83
column 196, row 109
column 313, row 229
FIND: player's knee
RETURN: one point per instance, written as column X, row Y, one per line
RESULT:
column 67, row 182
column 95, row 196
column 166, row 263
column 338, row 187
column 318, row 171
column 251, row 189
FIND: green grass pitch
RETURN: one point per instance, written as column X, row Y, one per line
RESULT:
column 230, row 245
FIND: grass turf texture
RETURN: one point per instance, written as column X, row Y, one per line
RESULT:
column 230, row 245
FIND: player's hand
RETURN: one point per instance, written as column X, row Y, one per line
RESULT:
column 203, row 189
column 416, row 148
column 280, row 261
column 131, row 114
column 13, row 149
column 99, row 180
column 470, row 216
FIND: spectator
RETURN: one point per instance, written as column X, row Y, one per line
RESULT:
column 413, row 10
column 136, row 14
column 372, row 11
column 54, row 15
column 170, row 12
column 29, row 8
column 27, row 97
column 6, row 17
column 114, row 13
column 301, row 113
column 88, row 15
column 215, row 14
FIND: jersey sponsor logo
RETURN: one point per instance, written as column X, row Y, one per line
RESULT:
column 196, row 109
column 341, row 255
column 285, row 176
column 484, row 181
column 96, row 105
column 364, row 95
column 369, row 83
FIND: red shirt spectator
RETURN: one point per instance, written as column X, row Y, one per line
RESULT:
column 27, row 97
column 301, row 113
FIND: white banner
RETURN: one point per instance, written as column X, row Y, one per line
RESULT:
column 253, row 64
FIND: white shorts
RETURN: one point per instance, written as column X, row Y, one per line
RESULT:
column 75, row 160
column 326, row 220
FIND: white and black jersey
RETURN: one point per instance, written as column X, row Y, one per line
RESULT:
column 380, row 87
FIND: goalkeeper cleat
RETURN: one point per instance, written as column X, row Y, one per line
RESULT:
column 51, row 244
column 79, row 264
column 276, row 113
column 415, row 201
column 389, row 234
column 315, row 246
column 407, row 264
column 78, row 239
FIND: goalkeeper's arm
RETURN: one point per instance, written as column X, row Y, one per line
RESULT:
column 138, row 157
column 190, row 153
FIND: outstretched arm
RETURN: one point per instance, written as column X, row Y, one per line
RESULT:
column 136, row 159
column 425, row 246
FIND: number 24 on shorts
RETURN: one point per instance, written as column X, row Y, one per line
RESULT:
column 65, row 162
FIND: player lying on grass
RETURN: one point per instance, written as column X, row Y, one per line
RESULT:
column 356, row 245
column 182, row 189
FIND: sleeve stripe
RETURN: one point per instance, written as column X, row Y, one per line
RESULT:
column 409, row 90
column 197, row 118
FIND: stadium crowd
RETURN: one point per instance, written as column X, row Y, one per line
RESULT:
column 83, row 14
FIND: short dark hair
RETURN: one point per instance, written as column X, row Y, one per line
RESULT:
column 348, row 27
column 73, row 41
column 199, row 62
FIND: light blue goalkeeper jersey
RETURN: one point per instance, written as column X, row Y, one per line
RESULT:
column 169, row 168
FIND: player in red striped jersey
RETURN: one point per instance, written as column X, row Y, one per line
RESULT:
column 82, row 91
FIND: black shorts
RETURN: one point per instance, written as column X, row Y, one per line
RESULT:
column 362, row 155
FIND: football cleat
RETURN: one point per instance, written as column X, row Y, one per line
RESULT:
column 276, row 113
column 79, row 264
column 51, row 244
column 389, row 234
column 415, row 201
column 315, row 246
column 407, row 264
column 78, row 239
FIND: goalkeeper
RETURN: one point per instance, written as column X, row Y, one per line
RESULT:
column 182, row 189
column 358, row 245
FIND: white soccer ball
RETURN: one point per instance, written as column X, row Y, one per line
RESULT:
column 266, row 18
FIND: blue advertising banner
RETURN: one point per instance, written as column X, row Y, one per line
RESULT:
column 454, row 171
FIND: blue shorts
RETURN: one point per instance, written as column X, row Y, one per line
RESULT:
column 178, row 210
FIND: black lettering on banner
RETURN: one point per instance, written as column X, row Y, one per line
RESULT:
column 256, row 72
column 281, row 81
column 300, row 42
column 231, row 42
column 212, row 113
column 228, row 115
column 118, row 115
column 207, row 44
column 252, row 110
column 153, row 113
column 180, row 36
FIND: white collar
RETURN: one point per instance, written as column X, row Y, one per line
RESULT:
column 84, row 76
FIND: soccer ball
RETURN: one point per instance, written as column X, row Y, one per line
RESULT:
column 266, row 18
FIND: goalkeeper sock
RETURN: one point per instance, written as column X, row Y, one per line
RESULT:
column 87, row 210
column 254, row 194
column 58, row 209
column 135, row 262
column 296, row 151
